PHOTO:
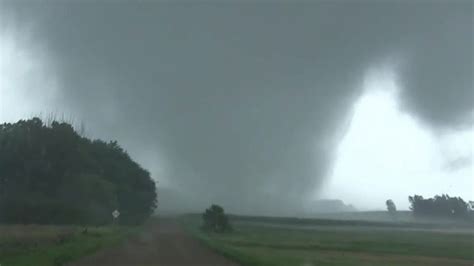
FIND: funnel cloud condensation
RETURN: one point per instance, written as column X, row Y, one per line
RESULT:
column 243, row 104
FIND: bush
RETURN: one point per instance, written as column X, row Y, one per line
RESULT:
column 391, row 208
column 216, row 220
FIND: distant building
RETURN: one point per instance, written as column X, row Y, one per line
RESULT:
column 329, row 206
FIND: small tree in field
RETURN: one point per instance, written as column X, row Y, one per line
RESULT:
column 391, row 208
column 215, row 220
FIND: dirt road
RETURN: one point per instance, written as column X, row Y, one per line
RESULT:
column 163, row 243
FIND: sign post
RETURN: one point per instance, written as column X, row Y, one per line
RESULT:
column 115, row 215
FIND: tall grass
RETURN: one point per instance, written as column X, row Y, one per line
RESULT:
column 27, row 245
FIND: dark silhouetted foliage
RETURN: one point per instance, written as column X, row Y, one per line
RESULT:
column 49, row 174
column 391, row 208
column 442, row 206
column 216, row 220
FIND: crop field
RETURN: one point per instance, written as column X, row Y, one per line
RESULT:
column 334, row 243
column 26, row 245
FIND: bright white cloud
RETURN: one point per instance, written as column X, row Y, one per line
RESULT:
column 387, row 154
column 27, row 87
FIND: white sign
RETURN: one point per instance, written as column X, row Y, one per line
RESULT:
column 115, row 214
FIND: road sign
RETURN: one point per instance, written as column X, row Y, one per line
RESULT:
column 115, row 214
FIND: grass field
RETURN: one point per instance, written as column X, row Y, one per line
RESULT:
column 336, row 244
column 28, row 245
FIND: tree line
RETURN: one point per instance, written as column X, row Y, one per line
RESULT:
column 50, row 174
column 442, row 206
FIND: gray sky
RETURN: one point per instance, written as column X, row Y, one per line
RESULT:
column 257, row 106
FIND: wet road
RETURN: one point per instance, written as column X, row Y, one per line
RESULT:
column 164, row 242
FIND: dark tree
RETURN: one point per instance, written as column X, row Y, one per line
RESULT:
column 50, row 174
column 215, row 220
column 439, row 206
column 391, row 208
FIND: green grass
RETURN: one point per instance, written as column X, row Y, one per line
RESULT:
column 259, row 245
column 379, row 219
column 54, row 245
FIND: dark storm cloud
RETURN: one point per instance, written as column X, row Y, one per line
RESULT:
column 243, row 101
column 439, row 76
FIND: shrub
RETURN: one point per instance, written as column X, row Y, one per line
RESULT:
column 216, row 220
